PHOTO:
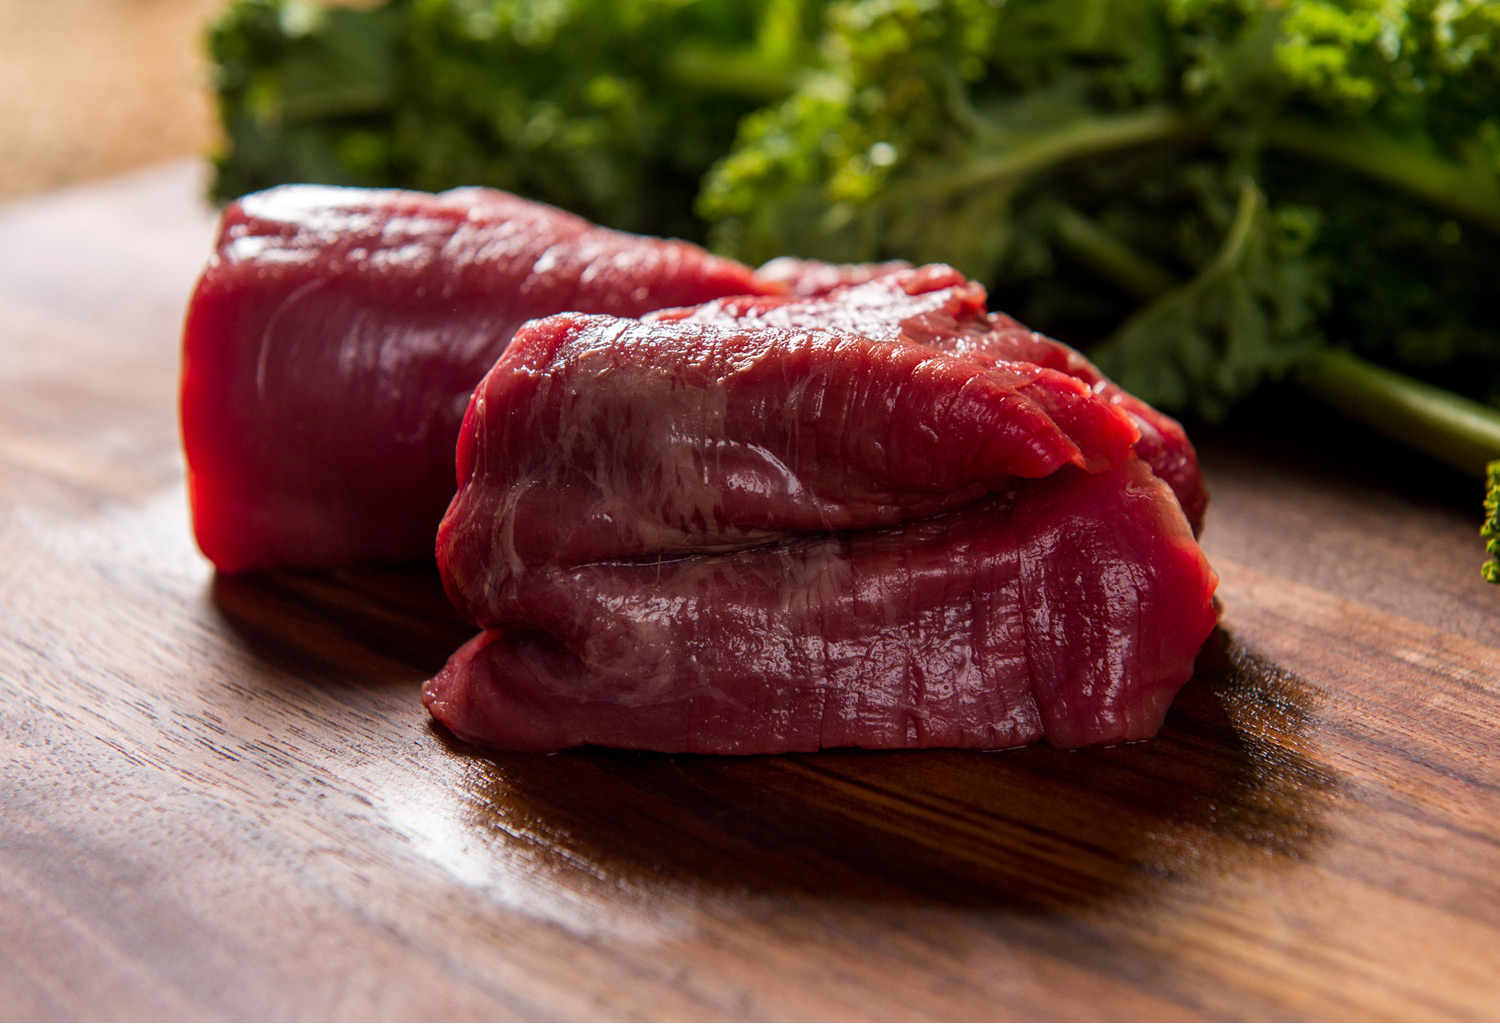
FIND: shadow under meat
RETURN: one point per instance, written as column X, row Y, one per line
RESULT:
column 385, row 626
column 1232, row 776
column 1229, row 778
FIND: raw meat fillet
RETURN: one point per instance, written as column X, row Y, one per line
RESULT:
column 1070, row 608
column 598, row 437
column 721, row 535
column 334, row 340
column 937, row 306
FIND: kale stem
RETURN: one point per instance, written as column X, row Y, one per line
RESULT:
column 1462, row 433
column 729, row 72
column 1109, row 257
column 1230, row 253
column 1466, row 191
column 1026, row 157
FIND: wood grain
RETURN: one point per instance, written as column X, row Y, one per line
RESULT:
column 222, row 798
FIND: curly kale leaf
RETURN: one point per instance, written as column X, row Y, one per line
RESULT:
column 1491, row 527
column 305, row 93
column 1085, row 160
column 611, row 108
column 927, row 120
column 1249, row 313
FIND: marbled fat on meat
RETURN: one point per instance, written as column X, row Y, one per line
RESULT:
column 335, row 338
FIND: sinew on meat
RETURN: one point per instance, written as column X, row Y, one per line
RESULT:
column 774, row 525
column 335, row 338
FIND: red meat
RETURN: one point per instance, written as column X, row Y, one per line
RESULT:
column 335, row 338
column 814, row 277
column 1071, row 607
column 598, row 438
column 938, row 307
column 714, row 534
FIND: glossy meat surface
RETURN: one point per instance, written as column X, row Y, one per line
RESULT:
column 815, row 277
column 598, row 437
column 335, row 338
column 937, row 306
column 1069, row 608
column 735, row 534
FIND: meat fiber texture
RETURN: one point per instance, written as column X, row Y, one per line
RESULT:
column 937, row 306
column 337, row 334
column 857, row 520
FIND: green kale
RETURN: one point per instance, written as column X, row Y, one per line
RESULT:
column 1066, row 152
column 305, row 93
column 1491, row 527
column 611, row 108
column 1209, row 194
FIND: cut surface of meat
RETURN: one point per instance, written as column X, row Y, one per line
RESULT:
column 597, row 438
column 938, row 307
column 1070, row 608
column 1163, row 444
column 335, row 338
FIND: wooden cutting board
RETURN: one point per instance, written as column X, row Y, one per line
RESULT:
column 222, row 798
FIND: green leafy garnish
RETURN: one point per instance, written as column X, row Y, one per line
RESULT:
column 611, row 108
column 1491, row 527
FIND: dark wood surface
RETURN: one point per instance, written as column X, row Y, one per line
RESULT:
column 221, row 797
